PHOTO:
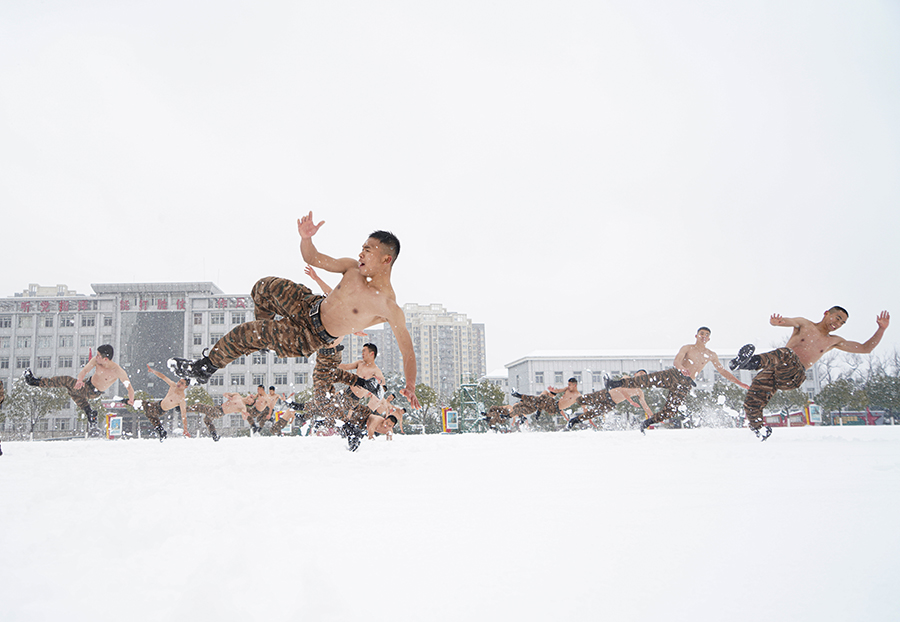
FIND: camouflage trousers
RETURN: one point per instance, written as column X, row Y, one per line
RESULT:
column 672, row 379
column 258, row 416
column 329, row 404
column 534, row 403
column 294, row 334
column 497, row 416
column 597, row 403
column 209, row 413
column 153, row 411
column 81, row 396
column 2, row 393
column 779, row 370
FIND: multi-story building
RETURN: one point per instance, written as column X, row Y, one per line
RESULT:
column 534, row 372
column 54, row 331
column 449, row 348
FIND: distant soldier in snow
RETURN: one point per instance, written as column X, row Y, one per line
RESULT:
column 2, row 397
column 551, row 401
column 679, row 380
column 599, row 403
column 234, row 403
column 174, row 397
column 785, row 368
column 81, row 390
column 261, row 406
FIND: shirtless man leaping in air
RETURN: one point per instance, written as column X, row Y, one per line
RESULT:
column 785, row 368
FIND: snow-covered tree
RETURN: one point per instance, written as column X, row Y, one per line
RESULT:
column 25, row 405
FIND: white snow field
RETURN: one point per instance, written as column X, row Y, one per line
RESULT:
column 694, row 525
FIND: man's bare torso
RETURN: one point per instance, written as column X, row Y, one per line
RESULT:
column 233, row 404
column 567, row 398
column 355, row 305
column 105, row 374
column 809, row 342
column 695, row 359
column 620, row 394
column 173, row 398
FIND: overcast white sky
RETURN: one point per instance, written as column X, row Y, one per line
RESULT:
column 592, row 174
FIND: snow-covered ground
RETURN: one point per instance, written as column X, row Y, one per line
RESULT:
column 690, row 525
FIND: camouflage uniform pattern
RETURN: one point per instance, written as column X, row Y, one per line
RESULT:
column 779, row 370
column 292, row 335
column 534, row 403
column 672, row 379
column 209, row 413
column 328, row 404
column 153, row 411
column 80, row 396
column 597, row 403
column 497, row 416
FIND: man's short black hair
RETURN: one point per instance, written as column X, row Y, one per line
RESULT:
column 704, row 328
column 573, row 379
column 261, row 386
column 834, row 308
column 105, row 351
column 392, row 418
column 390, row 243
column 372, row 348
column 271, row 388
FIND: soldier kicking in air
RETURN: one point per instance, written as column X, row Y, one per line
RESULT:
column 679, row 380
column 308, row 322
column 785, row 368
column 106, row 372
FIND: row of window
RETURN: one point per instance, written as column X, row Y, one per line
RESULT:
column 218, row 317
column 557, row 377
column 46, row 341
column 65, row 321
column 44, row 362
column 240, row 380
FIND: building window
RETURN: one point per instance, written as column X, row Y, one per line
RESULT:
column 301, row 359
column 235, row 421
column 300, row 377
column 241, row 360
column 25, row 321
column 87, row 341
column 48, row 321
column 43, row 362
column 62, row 424
column 88, row 321
column 5, row 321
column 4, row 362
column 107, row 320
column 4, row 342
column 280, row 361
column 64, row 362
column 23, row 362
column 23, row 342
column 557, row 377
column 45, row 341
column 216, row 381
column 577, row 376
column 198, row 319
column 237, row 380
column 259, row 379
column 83, row 360
column 66, row 321
column 238, row 317
column 259, row 358
column 214, row 337
column 539, row 377
column 198, row 339
column 66, row 341
column 217, row 318
column 280, row 379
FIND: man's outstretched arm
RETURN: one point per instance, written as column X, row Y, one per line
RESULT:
column 307, row 228
column 883, row 320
